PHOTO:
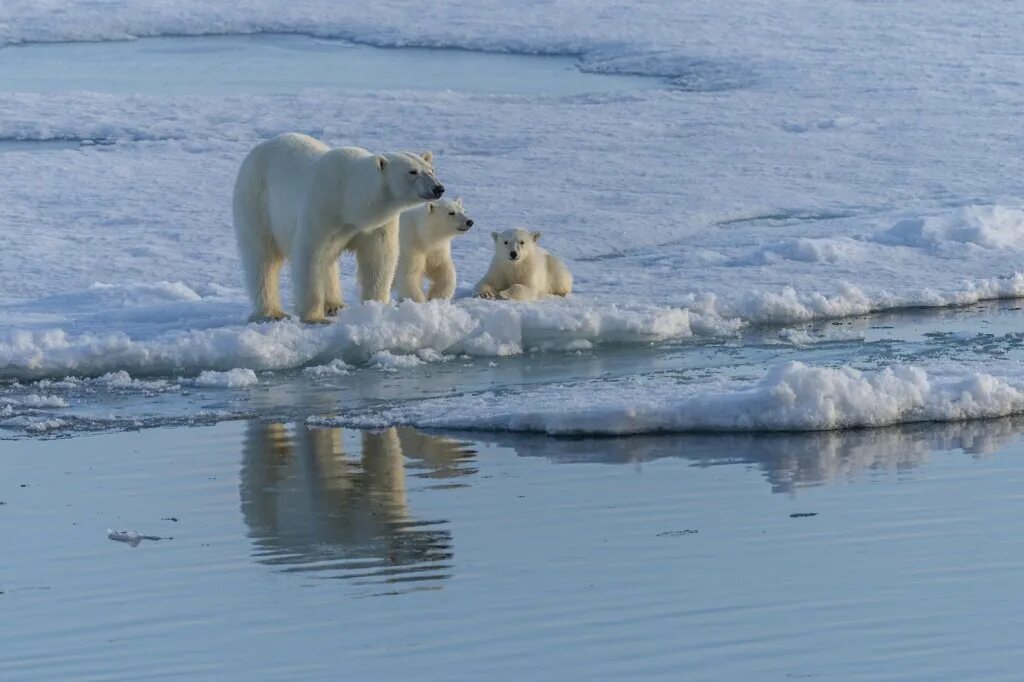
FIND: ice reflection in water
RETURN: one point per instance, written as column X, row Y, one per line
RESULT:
column 789, row 460
column 310, row 507
column 333, row 503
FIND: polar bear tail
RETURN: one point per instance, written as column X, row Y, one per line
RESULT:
column 261, row 257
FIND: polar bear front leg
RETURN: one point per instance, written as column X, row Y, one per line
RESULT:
column 519, row 292
column 485, row 290
column 442, row 279
column 410, row 278
column 376, row 261
column 333, row 299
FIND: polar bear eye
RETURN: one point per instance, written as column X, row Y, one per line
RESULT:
column 451, row 212
column 506, row 243
column 414, row 172
column 521, row 243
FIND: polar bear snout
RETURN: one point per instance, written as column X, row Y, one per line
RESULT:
column 465, row 226
column 431, row 192
column 513, row 255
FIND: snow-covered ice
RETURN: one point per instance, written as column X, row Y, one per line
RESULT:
column 789, row 397
column 233, row 378
column 798, row 162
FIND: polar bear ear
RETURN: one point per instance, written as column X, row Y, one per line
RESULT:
column 494, row 236
column 381, row 162
column 431, row 207
column 458, row 201
column 536, row 236
column 428, row 157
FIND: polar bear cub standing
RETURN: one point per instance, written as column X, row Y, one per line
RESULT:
column 297, row 199
column 425, row 238
column 523, row 271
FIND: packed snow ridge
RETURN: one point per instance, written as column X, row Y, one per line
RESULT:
column 388, row 336
column 789, row 397
column 170, row 330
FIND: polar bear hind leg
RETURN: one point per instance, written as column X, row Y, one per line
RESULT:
column 261, row 261
column 441, row 272
column 559, row 277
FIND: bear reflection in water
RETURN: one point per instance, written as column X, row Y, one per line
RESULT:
column 309, row 507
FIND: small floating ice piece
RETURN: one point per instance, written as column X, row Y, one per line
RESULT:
column 130, row 536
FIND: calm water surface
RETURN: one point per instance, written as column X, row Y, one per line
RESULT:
column 303, row 553
column 268, row 63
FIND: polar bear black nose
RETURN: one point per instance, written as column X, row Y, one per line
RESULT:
column 513, row 255
column 438, row 191
column 469, row 223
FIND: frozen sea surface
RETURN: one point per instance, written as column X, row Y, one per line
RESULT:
column 794, row 168
column 944, row 364
column 291, row 552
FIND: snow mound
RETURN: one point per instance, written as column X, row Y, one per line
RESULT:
column 33, row 425
column 790, row 397
column 35, row 401
column 233, row 378
column 334, row 368
column 985, row 227
column 122, row 380
column 390, row 362
column 805, row 250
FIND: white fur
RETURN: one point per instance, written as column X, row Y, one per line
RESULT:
column 425, row 236
column 532, row 274
column 297, row 199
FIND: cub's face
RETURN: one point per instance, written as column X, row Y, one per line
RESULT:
column 515, row 245
column 447, row 216
column 410, row 177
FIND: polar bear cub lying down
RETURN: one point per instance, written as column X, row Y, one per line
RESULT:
column 425, row 239
column 523, row 271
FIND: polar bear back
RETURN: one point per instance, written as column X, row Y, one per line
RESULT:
column 288, row 164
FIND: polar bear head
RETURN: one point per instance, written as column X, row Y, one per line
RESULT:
column 514, row 245
column 409, row 177
column 447, row 217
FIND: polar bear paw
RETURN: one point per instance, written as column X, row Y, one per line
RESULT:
column 272, row 316
column 332, row 309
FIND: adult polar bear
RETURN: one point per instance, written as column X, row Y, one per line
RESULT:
column 297, row 199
